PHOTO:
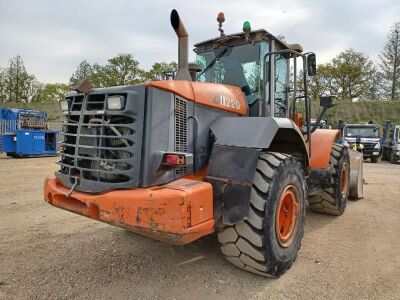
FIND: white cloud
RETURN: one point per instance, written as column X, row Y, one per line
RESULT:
column 54, row 36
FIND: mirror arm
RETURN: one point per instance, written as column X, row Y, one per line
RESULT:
column 308, row 105
column 321, row 115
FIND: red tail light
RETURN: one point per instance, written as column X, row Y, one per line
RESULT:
column 174, row 159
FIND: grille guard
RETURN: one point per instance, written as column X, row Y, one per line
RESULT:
column 102, row 148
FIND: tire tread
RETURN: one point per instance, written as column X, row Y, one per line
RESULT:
column 249, row 238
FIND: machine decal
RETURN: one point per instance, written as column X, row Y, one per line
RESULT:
column 226, row 102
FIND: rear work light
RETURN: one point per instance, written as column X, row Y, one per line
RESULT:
column 115, row 102
column 177, row 159
column 64, row 106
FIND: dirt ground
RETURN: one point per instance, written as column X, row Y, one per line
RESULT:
column 47, row 253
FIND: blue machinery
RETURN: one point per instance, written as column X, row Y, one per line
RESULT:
column 24, row 133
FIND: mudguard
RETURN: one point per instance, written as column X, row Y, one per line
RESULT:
column 321, row 147
column 231, row 171
column 253, row 132
column 234, row 157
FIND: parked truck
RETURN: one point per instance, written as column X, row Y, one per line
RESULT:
column 390, row 143
column 364, row 138
column 179, row 159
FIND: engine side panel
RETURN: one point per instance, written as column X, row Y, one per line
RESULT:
column 205, row 117
column 160, row 135
column 175, row 124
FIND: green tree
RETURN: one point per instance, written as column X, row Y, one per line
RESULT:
column 15, row 74
column 328, row 80
column 159, row 68
column 19, row 86
column 121, row 70
column 51, row 92
column 351, row 71
column 30, row 87
column 375, row 89
column 83, row 71
column 3, row 90
column 320, row 84
column 390, row 62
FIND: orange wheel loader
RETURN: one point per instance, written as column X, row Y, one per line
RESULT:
column 225, row 147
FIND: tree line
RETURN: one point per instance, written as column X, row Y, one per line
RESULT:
column 351, row 74
column 123, row 69
column 17, row 85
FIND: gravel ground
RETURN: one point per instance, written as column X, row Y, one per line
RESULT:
column 47, row 253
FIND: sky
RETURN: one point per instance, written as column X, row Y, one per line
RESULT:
column 53, row 37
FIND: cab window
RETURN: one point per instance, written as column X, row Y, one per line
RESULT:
column 281, row 85
column 238, row 66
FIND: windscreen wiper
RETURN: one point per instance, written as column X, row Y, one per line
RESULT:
column 209, row 66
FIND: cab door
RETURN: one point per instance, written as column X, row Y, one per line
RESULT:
column 281, row 107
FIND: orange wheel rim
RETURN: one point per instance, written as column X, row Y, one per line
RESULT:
column 344, row 180
column 287, row 215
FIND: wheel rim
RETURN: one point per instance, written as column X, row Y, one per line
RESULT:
column 287, row 216
column 344, row 180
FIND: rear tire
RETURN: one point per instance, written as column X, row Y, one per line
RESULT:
column 333, row 200
column 393, row 160
column 385, row 155
column 356, row 189
column 268, row 241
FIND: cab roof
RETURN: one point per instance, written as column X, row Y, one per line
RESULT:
column 240, row 38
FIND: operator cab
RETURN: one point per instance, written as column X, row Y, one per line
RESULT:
column 237, row 65
column 244, row 60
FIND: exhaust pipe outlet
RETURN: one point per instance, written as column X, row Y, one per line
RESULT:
column 183, row 47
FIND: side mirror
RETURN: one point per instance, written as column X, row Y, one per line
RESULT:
column 311, row 64
column 327, row 101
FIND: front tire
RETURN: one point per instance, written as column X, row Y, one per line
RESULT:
column 333, row 200
column 268, row 241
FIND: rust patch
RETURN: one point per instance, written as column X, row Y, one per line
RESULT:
column 138, row 219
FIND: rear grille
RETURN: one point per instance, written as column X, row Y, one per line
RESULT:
column 76, row 103
column 95, row 102
column 181, row 131
column 98, row 146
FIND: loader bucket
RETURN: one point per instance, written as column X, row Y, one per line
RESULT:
column 356, row 175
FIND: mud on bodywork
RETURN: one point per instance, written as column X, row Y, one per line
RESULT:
column 177, row 213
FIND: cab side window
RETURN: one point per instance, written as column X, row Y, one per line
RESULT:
column 281, row 86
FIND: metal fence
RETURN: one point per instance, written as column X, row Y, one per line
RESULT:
column 9, row 126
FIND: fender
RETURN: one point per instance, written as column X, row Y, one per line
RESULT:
column 234, row 157
column 322, row 141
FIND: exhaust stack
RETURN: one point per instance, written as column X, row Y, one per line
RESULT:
column 183, row 47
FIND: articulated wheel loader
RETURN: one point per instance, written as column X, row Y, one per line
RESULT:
column 222, row 148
